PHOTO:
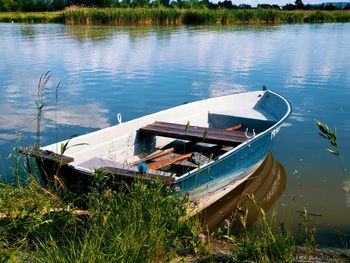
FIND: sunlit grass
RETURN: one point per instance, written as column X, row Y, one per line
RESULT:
column 144, row 222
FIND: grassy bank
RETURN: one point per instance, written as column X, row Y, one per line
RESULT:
column 143, row 223
column 123, row 16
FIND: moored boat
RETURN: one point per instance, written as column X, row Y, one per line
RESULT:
column 200, row 146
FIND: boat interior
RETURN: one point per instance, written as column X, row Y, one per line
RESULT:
column 177, row 140
column 173, row 149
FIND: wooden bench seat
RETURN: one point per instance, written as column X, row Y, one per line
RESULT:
column 126, row 171
column 195, row 133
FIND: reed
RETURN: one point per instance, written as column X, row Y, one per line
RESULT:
column 329, row 17
column 32, row 17
column 331, row 137
column 163, row 15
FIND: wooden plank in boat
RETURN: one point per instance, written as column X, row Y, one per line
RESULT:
column 213, row 131
column 195, row 133
column 46, row 155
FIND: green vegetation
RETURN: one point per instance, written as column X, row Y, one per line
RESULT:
column 31, row 17
column 139, row 224
column 142, row 222
column 162, row 15
column 56, row 5
column 266, row 242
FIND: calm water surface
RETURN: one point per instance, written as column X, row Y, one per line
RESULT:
column 140, row 70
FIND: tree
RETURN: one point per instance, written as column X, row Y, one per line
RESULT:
column 299, row 4
column 244, row 6
column 58, row 5
column 330, row 7
column 165, row 2
column 226, row 4
column 268, row 6
column 140, row 3
column 289, row 7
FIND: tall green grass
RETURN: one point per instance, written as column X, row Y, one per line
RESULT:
column 140, row 226
column 162, row 15
column 143, row 223
column 266, row 241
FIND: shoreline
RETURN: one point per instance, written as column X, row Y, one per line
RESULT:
column 175, row 16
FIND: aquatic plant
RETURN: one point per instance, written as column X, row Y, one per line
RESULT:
column 39, row 102
column 171, row 16
column 32, row 17
column 331, row 136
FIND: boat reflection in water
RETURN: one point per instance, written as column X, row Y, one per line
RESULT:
column 266, row 184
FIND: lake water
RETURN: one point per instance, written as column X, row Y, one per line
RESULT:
column 139, row 70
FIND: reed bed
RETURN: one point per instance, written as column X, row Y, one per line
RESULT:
column 167, row 16
column 32, row 17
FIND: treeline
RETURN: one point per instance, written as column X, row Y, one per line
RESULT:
column 56, row 5
column 52, row 5
column 299, row 5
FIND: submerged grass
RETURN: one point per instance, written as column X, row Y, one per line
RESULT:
column 163, row 15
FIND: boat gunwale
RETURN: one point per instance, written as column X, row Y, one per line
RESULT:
column 141, row 117
column 242, row 145
column 214, row 161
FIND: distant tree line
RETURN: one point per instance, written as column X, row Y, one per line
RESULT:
column 325, row 6
column 55, row 5
column 50, row 5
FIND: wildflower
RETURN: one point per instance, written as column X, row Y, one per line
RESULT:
column 177, row 189
column 188, row 193
column 201, row 237
column 195, row 202
column 226, row 223
column 107, row 195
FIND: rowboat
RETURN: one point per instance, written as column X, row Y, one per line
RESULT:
column 201, row 146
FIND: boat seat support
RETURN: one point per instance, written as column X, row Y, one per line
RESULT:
column 196, row 133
